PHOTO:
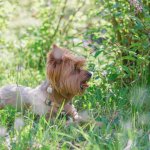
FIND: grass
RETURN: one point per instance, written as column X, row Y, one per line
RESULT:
column 123, row 111
column 124, row 116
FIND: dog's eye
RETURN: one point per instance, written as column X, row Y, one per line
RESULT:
column 77, row 69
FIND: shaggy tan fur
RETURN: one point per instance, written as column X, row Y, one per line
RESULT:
column 66, row 77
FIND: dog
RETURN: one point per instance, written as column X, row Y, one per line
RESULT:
column 66, row 78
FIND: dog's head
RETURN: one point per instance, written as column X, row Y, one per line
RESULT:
column 65, row 72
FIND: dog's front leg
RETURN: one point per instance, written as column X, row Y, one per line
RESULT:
column 71, row 110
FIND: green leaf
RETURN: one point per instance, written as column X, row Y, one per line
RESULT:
column 98, row 53
column 128, row 58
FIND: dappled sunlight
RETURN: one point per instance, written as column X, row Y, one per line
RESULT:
column 140, row 96
column 3, row 131
column 18, row 123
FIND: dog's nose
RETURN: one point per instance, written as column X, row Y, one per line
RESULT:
column 89, row 74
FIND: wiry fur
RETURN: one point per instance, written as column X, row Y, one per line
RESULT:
column 65, row 75
column 24, row 97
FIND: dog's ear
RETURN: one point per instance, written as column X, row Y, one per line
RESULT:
column 57, row 52
column 54, row 59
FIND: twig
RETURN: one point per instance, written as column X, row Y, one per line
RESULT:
column 58, row 25
column 74, row 14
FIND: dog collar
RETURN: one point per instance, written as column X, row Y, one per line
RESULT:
column 47, row 100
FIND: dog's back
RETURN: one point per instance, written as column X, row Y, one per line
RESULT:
column 21, row 97
column 12, row 95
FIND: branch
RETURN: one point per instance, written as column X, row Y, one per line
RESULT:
column 74, row 14
column 58, row 25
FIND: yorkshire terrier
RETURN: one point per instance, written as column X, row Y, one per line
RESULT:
column 66, row 78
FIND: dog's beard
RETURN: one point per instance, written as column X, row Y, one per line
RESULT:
column 74, row 85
